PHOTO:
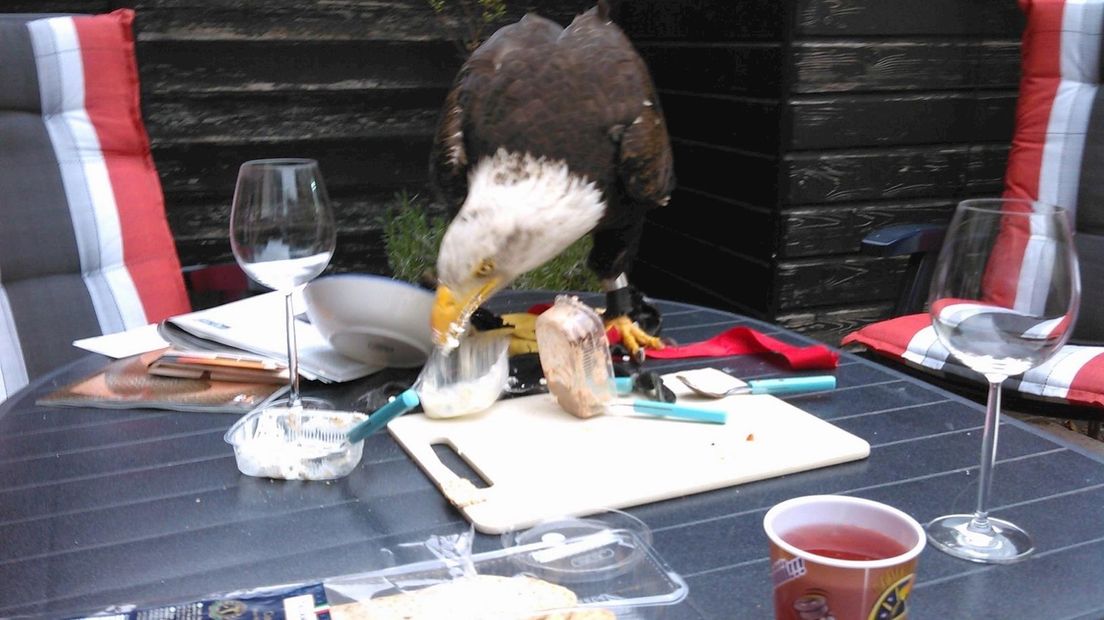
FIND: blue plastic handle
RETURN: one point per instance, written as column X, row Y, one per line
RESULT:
column 792, row 385
column 380, row 417
column 674, row 410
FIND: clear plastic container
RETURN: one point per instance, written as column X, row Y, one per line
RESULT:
column 295, row 443
column 467, row 379
column 574, row 354
column 605, row 562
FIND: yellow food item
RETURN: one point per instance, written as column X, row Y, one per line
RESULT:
column 523, row 337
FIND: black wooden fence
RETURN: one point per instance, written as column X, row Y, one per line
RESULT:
column 799, row 125
column 802, row 125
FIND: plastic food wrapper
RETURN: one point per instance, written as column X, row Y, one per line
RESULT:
column 467, row 379
column 601, row 567
column 574, row 354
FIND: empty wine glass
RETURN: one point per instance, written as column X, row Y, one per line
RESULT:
column 1003, row 300
column 282, row 234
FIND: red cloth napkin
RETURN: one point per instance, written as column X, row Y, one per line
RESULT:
column 737, row 341
column 741, row 340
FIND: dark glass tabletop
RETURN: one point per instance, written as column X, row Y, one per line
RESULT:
column 100, row 508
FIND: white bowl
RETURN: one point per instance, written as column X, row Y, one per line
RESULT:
column 373, row 319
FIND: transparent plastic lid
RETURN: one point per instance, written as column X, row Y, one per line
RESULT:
column 582, row 549
column 601, row 562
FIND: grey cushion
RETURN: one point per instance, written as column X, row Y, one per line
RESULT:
column 85, row 248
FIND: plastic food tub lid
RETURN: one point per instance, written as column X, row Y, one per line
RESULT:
column 606, row 559
column 577, row 549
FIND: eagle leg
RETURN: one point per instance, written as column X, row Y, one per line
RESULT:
column 628, row 313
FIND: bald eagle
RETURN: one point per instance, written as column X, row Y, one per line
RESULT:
column 547, row 134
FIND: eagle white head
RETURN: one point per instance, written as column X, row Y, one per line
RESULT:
column 520, row 212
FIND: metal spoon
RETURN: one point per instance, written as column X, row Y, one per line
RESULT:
column 788, row 385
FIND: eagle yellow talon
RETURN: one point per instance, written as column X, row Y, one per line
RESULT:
column 633, row 336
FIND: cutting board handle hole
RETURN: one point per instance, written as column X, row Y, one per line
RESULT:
column 451, row 458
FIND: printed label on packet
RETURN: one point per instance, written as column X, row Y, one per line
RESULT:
column 283, row 603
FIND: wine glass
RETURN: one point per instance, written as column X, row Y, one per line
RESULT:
column 1003, row 300
column 282, row 234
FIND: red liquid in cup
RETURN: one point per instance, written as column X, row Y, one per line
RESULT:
column 844, row 542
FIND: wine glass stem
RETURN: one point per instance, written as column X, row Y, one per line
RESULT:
column 293, row 353
column 980, row 522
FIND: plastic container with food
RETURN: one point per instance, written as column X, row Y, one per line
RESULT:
column 466, row 379
column 295, row 444
column 603, row 565
column 574, row 354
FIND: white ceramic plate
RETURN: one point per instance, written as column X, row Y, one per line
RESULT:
column 373, row 319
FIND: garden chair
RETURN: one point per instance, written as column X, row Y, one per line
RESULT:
column 1057, row 157
column 85, row 247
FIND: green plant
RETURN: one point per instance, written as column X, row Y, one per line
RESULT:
column 412, row 234
column 473, row 16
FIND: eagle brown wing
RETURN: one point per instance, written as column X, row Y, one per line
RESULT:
column 628, row 108
column 582, row 95
column 466, row 106
column 448, row 160
column 646, row 164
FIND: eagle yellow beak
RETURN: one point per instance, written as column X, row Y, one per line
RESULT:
column 451, row 312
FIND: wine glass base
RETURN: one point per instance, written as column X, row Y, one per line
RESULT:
column 1004, row 543
column 305, row 402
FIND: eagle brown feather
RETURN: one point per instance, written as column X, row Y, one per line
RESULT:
column 580, row 94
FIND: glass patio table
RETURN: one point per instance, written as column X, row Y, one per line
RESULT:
column 101, row 508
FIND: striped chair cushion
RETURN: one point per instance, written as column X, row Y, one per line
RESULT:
column 85, row 248
column 1057, row 157
column 1057, row 152
column 1074, row 375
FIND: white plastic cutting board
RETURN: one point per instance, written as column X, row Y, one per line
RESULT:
column 542, row 462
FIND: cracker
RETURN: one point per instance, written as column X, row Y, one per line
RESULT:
column 480, row 597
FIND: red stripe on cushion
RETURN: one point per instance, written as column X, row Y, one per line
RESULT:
column 1001, row 280
column 112, row 104
column 1041, row 56
column 1087, row 386
column 889, row 337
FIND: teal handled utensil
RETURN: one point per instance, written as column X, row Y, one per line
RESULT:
column 673, row 410
column 787, row 385
column 402, row 403
column 624, row 385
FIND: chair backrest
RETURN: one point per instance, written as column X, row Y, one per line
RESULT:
column 85, row 248
column 1058, row 146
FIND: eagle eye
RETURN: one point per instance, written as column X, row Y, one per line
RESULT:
column 485, row 268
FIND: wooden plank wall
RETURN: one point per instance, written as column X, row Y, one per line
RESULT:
column 804, row 123
column 718, row 68
column 830, row 118
column 356, row 84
